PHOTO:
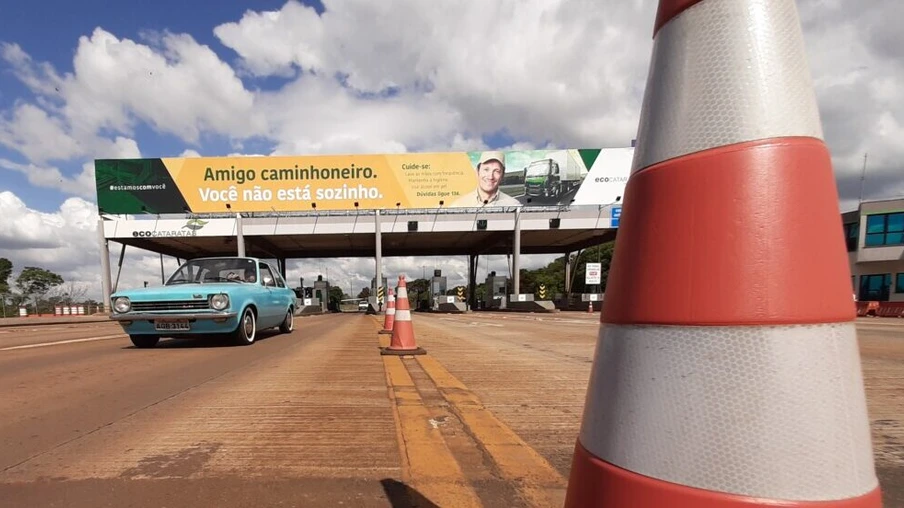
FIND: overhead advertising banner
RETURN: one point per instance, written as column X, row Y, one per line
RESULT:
column 346, row 182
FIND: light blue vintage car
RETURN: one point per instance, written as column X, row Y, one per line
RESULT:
column 232, row 296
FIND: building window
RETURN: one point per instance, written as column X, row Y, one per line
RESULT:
column 885, row 229
column 899, row 283
column 875, row 287
column 852, row 235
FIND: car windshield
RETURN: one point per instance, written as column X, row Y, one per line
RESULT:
column 201, row 271
column 538, row 168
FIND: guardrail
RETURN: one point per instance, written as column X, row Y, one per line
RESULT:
column 880, row 309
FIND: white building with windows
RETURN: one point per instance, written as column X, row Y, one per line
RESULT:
column 875, row 244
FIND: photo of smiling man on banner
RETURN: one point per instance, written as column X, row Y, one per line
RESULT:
column 490, row 172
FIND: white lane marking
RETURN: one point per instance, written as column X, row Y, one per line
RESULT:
column 471, row 323
column 57, row 343
column 592, row 322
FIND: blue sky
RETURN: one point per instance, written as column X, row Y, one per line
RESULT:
column 49, row 32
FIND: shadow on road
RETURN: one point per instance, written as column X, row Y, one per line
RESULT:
column 402, row 495
column 206, row 341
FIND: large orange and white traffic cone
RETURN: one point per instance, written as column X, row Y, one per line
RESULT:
column 402, row 342
column 727, row 372
column 389, row 317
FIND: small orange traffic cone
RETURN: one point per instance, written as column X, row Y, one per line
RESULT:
column 589, row 307
column 402, row 342
column 389, row 318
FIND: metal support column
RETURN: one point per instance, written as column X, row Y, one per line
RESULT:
column 104, row 265
column 472, row 281
column 378, row 281
column 122, row 254
column 239, row 237
column 516, row 255
column 162, row 274
column 567, row 274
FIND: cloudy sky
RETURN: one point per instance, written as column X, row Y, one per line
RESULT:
column 86, row 80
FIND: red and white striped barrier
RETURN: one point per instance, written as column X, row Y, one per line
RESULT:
column 727, row 372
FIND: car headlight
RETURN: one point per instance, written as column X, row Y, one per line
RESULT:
column 122, row 305
column 219, row 302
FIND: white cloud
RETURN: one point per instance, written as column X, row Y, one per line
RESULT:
column 66, row 242
column 335, row 121
column 855, row 55
column 82, row 184
column 188, row 152
column 41, row 78
column 532, row 68
column 294, row 24
column 38, row 136
column 180, row 88
column 50, row 177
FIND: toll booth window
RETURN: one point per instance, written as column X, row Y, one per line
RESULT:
column 852, row 235
column 899, row 283
column 875, row 287
column 885, row 229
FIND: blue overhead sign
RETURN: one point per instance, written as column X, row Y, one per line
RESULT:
column 615, row 215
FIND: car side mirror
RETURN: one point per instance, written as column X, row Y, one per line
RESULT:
column 268, row 281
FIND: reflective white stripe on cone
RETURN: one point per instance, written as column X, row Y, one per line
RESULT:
column 389, row 318
column 727, row 372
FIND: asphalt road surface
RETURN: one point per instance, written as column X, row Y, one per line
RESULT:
column 191, row 423
column 318, row 417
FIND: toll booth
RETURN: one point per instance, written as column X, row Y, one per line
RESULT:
column 437, row 288
column 305, row 302
column 321, row 293
column 496, row 291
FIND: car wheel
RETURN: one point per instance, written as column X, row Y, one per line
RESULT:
column 247, row 329
column 144, row 341
column 289, row 323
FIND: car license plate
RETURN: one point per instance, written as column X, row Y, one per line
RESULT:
column 170, row 326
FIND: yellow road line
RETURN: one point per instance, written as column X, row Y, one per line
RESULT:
column 539, row 483
column 427, row 463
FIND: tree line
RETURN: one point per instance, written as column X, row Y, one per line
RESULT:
column 37, row 288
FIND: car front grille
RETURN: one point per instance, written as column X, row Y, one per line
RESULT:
column 170, row 305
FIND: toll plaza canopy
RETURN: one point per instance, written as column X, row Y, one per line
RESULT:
column 447, row 203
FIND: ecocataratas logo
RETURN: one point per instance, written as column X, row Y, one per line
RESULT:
column 190, row 228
